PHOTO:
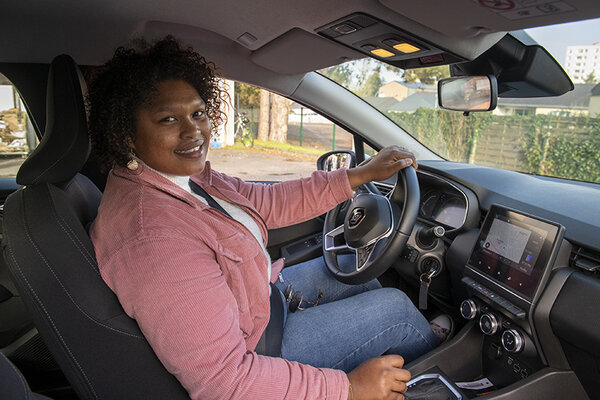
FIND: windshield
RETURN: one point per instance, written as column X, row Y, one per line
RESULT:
column 550, row 136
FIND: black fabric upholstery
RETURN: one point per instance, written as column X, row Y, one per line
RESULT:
column 51, row 258
column 12, row 384
column 62, row 152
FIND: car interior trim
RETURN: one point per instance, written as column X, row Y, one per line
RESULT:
column 549, row 345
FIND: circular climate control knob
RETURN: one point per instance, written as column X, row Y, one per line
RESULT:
column 512, row 341
column 489, row 324
column 469, row 309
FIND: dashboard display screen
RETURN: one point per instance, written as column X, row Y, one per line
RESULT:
column 444, row 209
column 514, row 249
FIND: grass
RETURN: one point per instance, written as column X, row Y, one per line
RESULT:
column 284, row 149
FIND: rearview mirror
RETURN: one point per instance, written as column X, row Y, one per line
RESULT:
column 337, row 159
column 468, row 93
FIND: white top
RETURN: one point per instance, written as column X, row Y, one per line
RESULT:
column 234, row 210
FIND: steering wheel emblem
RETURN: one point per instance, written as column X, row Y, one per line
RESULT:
column 356, row 216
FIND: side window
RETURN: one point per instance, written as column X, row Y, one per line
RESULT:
column 287, row 137
column 17, row 136
column 369, row 151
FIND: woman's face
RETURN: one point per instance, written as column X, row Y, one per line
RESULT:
column 172, row 131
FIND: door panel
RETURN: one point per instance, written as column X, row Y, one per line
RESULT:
column 296, row 243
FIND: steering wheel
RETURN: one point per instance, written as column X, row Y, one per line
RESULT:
column 376, row 228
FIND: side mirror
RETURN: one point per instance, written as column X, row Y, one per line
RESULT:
column 337, row 159
column 468, row 93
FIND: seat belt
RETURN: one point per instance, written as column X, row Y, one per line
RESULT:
column 211, row 202
column 269, row 343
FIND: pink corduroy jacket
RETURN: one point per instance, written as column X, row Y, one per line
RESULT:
column 196, row 281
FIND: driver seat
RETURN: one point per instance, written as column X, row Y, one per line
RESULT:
column 51, row 258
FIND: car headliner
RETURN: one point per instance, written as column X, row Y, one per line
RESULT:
column 285, row 32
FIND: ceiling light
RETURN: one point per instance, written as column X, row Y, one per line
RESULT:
column 406, row 48
column 379, row 52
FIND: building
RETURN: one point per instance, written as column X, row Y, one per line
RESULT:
column 595, row 102
column 401, row 90
column 583, row 100
column 415, row 101
column 573, row 103
column 581, row 61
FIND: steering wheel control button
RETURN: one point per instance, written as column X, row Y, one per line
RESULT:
column 512, row 341
column 489, row 324
column 362, row 256
column 469, row 309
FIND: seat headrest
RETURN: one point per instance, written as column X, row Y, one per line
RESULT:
column 65, row 145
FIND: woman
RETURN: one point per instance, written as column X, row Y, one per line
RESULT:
column 192, row 268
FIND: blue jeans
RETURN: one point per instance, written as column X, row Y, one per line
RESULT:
column 351, row 324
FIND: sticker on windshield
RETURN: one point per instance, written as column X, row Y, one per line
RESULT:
column 520, row 9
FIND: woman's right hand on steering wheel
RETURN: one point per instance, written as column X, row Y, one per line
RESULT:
column 386, row 163
column 380, row 378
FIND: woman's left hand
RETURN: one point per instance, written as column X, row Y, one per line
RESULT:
column 386, row 163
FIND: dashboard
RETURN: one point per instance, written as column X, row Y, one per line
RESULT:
column 446, row 203
column 523, row 278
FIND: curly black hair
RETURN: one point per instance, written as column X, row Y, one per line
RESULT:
column 129, row 80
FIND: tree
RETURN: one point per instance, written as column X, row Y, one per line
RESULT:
column 280, row 111
column 265, row 115
column 591, row 78
column 246, row 95
column 273, row 120
column 341, row 74
column 371, row 85
column 427, row 76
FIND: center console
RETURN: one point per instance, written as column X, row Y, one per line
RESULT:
column 510, row 263
column 503, row 278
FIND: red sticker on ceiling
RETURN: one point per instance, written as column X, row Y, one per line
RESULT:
column 521, row 9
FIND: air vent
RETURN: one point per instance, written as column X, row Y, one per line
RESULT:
column 585, row 260
column 384, row 188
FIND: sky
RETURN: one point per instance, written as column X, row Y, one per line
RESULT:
column 556, row 38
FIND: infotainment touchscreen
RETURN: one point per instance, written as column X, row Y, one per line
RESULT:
column 514, row 249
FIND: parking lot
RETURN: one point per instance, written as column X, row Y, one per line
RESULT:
column 253, row 164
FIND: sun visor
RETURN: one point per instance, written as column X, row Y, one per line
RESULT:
column 298, row 51
column 522, row 70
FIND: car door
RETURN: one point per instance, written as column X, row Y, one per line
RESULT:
column 287, row 145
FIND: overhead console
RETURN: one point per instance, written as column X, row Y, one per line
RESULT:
column 386, row 42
